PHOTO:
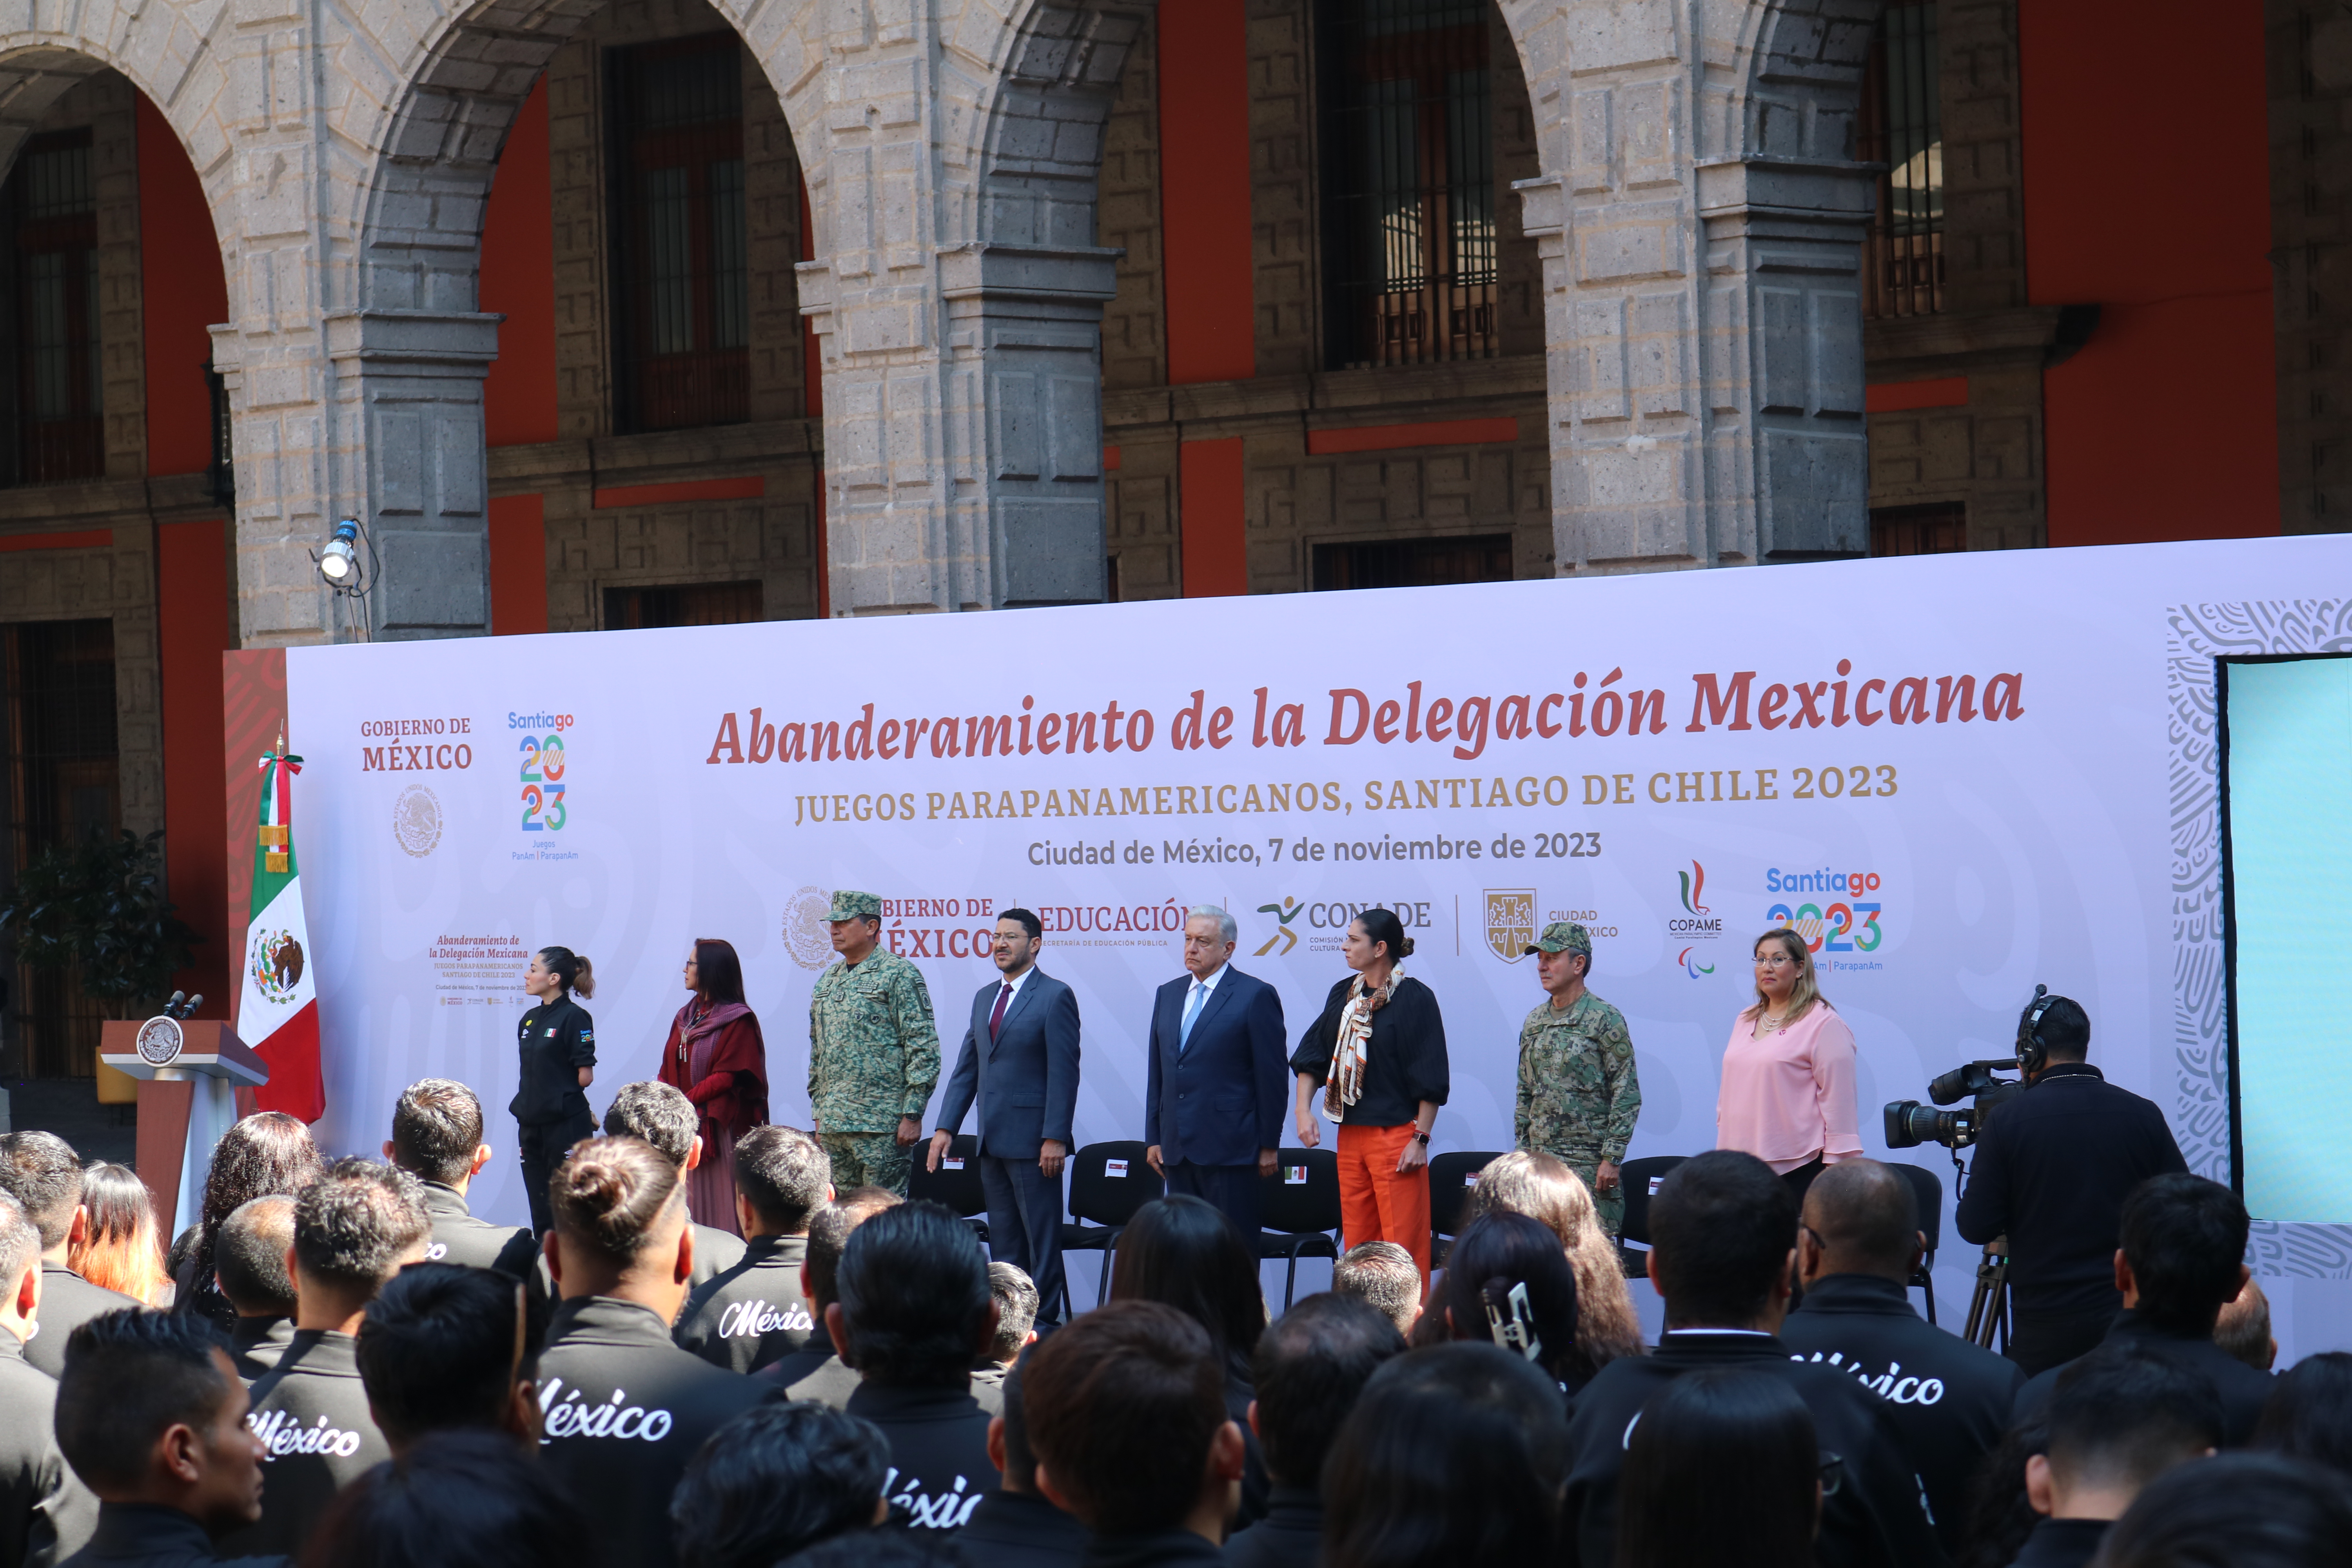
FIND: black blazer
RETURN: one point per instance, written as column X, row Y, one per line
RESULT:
column 2052, row 1173
column 1026, row 1079
column 557, row 1039
column 1221, row 1101
column 1405, row 1063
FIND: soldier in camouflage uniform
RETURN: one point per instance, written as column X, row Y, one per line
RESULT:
column 1579, row 1095
column 874, row 1052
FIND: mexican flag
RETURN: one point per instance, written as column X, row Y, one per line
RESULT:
column 277, row 1010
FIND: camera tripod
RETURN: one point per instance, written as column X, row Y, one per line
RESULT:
column 1988, row 1309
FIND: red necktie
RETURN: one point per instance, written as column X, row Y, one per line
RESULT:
column 996, row 1019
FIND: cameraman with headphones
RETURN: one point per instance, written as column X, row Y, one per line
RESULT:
column 2051, row 1170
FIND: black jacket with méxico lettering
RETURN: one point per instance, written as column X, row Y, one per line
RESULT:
column 136, row 1535
column 557, row 1039
column 753, row 1313
column 45, row 1510
column 2052, row 1173
column 624, row 1410
column 258, row 1345
column 459, row 1237
column 2243, row 1389
column 1019, row 1530
column 939, row 1468
column 1876, row 1518
column 1160, row 1549
column 68, row 1301
column 1950, row 1399
column 310, row 1412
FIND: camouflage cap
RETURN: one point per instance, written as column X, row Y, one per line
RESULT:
column 1564, row 936
column 848, row 905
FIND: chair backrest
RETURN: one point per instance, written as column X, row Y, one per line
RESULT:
column 1303, row 1194
column 1929, row 1188
column 1451, row 1176
column 1108, row 1181
column 1641, row 1178
column 956, row 1182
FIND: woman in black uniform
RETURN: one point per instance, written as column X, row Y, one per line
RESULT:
column 558, row 1041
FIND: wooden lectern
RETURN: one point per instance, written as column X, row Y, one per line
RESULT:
column 189, row 1071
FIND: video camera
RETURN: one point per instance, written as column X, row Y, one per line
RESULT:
column 1910, row 1123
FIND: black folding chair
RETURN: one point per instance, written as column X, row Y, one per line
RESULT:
column 1929, row 1188
column 1640, row 1178
column 1451, row 1177
column 1109, row 1183
column 956, row 1184
column 1300, row 1211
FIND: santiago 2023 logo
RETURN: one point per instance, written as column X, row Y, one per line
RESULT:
column 1844, row 925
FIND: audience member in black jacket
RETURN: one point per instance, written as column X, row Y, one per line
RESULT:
column 437, row 1137
column 2116, row 1419
column 1723, row 1230
column 1310, row 1367
column 777, row 1480
column 2051, row 1173
column 45, row 1513
column 43, row 1174
column 1183, row 1252
column 1949, row 1399
column 1128, row 1423
column 625, row 1408
column 662, row 1115
column 2184, row 1243
column 249, row 1265
column 1014, row 1527
column 354, row 1228
column 914, row 1311
column 828, row 1236
column 448, row 1348
column 150, row 1416
column 754, row 1313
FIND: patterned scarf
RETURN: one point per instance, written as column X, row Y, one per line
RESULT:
column 1351, row 1052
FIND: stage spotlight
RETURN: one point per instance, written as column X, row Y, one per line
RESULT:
column 338, row 562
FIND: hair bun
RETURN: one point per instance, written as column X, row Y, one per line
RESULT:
column 1408, row 949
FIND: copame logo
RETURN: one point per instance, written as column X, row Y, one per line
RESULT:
column 1693, row 885
column 1696, row 922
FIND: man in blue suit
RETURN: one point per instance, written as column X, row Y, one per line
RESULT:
column 1020, row 1061
column 1213, row 1104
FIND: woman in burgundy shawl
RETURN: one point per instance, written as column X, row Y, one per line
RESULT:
column 716, row 1057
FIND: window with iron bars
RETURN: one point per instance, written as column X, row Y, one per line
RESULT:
column 681, row 261
column 1408, row 181
column 1413, row 563
column 1902, row 127
column 59, row 426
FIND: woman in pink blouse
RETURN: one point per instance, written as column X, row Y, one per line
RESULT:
column 1788, row 1073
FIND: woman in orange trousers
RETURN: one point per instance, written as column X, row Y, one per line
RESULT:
column 1376, row 1062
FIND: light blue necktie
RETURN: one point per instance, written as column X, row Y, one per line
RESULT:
column 1192, row 1015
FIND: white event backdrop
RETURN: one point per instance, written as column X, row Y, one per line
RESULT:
column 1954, row 771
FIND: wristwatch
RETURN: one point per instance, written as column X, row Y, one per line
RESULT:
column 1421, row 1138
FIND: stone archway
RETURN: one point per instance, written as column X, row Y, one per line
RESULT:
column 1700, row 216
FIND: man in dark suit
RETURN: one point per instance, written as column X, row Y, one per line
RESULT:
column 1213, row 1101
column 1019, row 1061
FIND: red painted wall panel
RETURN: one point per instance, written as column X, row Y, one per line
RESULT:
column 518, row 277
column 192, row 628
column 2146, row 192
column 1215, row 535
column 1204, row 191
column 518, row 565
column 182, row 293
